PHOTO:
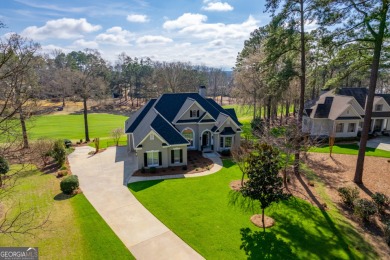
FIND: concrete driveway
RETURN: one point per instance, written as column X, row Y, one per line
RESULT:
column 103, row 178
column 380, row 142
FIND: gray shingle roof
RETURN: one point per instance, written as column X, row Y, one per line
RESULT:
column 167, row 131
column 135, row 119
column 227, row 131
column 359, row 94
column 158, row 114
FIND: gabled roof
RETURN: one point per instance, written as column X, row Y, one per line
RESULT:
column 159, row 114
column 323, row 109
column 359, row 94
column 227, row 131
column 386, row 97
column 169, row 104
column 232, row 113
column 167, row 131
column 135, row 119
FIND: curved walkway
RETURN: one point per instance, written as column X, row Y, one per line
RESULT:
column 212, row 156
column 103, row 179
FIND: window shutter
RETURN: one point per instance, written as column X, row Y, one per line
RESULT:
column 159, row 158
column 172, row 156
column 181, row 155
column 197, row 113
column 190, row 113
column 145, row 160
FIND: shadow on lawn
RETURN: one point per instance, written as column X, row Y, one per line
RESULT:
column 317, row 233
column 62, row 196
column 142, row 185
column 264, row 245
column 227, row 163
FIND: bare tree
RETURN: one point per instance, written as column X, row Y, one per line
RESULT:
column 116, row 134
column 88, row 70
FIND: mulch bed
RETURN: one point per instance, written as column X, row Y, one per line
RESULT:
column 338, row 171
column 268, row 222
column 196, row 163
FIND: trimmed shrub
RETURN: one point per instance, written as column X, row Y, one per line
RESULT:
column 184, row 168
column 69, row 184
column 67, row 143
column 387, row 232
column 380, row 200
column 4, row 167
column 142, row 170
column 59, row 152
column 364, row 209
column 348, row 195
column 152, row 169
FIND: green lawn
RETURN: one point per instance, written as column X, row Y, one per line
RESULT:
column 72, row 126
column 75, row 230
column 198, row 211
column 351, row 149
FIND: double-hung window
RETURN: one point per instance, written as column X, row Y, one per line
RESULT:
column 153, row 159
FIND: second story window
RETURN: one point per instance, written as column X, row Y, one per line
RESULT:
column 378, row 107
column 194, row 113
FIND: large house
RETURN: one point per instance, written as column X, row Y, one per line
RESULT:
column 164, row 129
column 340, row 113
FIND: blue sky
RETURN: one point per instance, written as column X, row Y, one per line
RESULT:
column 209, row 32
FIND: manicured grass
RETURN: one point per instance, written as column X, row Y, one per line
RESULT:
column 198, row 211
column 74, row 231
column 72, row 126
column 107, row 142
column 351, row 149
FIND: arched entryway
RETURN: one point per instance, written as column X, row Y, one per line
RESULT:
column 206, row 140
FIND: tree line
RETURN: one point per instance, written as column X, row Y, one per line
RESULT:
column 284, row 65
column 27, row 76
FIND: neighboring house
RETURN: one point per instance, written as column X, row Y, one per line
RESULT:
column 341, row 113
column 164, row 129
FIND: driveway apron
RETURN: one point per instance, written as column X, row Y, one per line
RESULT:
column 103, row 178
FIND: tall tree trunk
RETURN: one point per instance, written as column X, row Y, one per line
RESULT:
column 262, row 219
column 281, row 114
column 24, row 128
column 259, row 112
column 302, row 89
column 269, row 111
column 63, row 101
column 254, row 104
column 287, row 109
column 358, row 178
column 86, row 120
column 295, row 108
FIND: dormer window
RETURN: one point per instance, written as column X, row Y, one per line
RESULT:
column 378, row 107
column 194, row 113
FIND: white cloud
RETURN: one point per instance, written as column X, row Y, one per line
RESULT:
column 116, row 36
column 81, row 43
column 137, row 18
column 153, row 39
column 65, row 28
column 217, row 6
column 195, row 26
column 187, row 19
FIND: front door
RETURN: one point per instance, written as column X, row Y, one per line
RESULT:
column 378, row 125
column 206, row 138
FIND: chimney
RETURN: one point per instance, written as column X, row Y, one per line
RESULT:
column 202, row 91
